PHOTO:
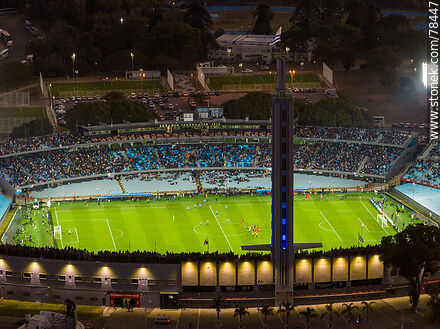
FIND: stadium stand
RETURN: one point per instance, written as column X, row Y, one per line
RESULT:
column 4, row 205
column 425, row 169
column 53, row 158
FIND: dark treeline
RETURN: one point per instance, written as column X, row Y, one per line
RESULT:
column 103, row 33
column 332, row 112
column 383, row 4
column 341, row 32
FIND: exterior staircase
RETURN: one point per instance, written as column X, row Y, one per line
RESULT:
column 361, row 166
column 124, row 191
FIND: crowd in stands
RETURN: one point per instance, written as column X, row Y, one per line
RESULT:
column 417, row 170
column 433, row 175
column 393, row 137
column 434, row 151
column 222, row 179
column 33, row 168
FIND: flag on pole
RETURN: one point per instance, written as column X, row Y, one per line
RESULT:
column 360, row 238
column 276, row 38
column 205, row 242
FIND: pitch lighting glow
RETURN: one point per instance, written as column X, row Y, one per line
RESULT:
column 425, row 74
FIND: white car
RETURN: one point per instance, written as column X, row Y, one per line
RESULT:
column 247, row 71
column 162, row 319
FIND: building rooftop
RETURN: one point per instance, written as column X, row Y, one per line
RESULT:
column 245, row 39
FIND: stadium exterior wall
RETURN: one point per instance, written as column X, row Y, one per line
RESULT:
column 91, row 283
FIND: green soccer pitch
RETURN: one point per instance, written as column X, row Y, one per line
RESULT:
column 184, row 224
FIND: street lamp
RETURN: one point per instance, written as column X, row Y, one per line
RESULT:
column 122, row 21
column 73, row 65
column 287, row 52
column 132, row 56
column 229, row 50
column 292, row 73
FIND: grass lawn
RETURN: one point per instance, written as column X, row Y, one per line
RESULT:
column 243, row 20
column 20, row 309
column 170, row 226
column 80, row 88
column 265, row 81
column 23, row 112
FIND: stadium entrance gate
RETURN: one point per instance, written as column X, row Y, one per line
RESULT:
column 122, row 299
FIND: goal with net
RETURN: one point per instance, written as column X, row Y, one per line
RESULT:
column 57, row 233
column 382, row 220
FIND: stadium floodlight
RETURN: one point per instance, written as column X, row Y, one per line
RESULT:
column 425, row 74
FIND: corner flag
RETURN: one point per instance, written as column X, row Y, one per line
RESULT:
column 360, row 238
column 276, row 38
column 205, row 242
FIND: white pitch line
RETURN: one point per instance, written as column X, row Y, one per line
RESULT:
column 363, row 224
column 77, row 237
column 221, row 228
column 331, row 226
column 372, row 216
column 61, row 233
column 111, row 234
column 56, row 216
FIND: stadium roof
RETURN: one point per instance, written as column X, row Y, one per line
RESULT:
column 129, row 125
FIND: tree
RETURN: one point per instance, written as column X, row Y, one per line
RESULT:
column 197, row 16
column 255, row 106
column 285, row 309
column 266, row 311
column 240, row 312
column 335, row 112
column 349, row 310
column 114, row 110
column 263, row 15
column 415, row 252
column 432, row 313
column 32, row 128
column 218, row 304
column 348, row 57
column 382, row 58
column 329, row 312
column 309, row 314
column 387, row 79
column 367, row 308
column 406, row 85
column 305, row 16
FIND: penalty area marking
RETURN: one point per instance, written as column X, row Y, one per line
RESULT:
column 221, row 228
column 363, row 224
column 111, row 234
column 330, row 226
column 325, row 229
column 360, row 200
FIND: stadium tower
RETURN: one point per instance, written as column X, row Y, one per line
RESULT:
column 282, row 246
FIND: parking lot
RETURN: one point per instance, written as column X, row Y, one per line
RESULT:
column 167, row 106
column 391, row 313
